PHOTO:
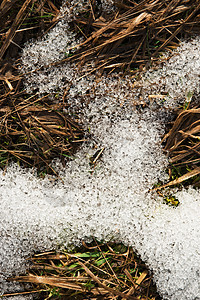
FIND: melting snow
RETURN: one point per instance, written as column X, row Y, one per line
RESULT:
column 114, row 202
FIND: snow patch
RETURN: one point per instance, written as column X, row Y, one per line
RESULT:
column 114, row 202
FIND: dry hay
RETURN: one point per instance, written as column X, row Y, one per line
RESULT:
column 182, row 145
column 97, row 271
column 136, row 33
column 22, row 20
column 34, row 132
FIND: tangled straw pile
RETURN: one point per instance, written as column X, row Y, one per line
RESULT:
column 97, row 271
column 183, row 145
column 135, row 33
column 34, row 132
column 21, row 20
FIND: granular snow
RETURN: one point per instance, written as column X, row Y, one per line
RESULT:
column 114, row 201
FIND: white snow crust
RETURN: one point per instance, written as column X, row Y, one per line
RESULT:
column 113, row 202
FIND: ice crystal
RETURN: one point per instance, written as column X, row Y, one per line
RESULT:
column 178, row 75
column 38, row 215
column 112, row 201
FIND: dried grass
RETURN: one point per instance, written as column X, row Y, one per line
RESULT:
column 97, row 271
column 33, row 130
column 21, row 20
column 136, row 33
column 182, row 144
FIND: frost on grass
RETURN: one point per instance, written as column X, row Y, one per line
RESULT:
column 113, row 201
